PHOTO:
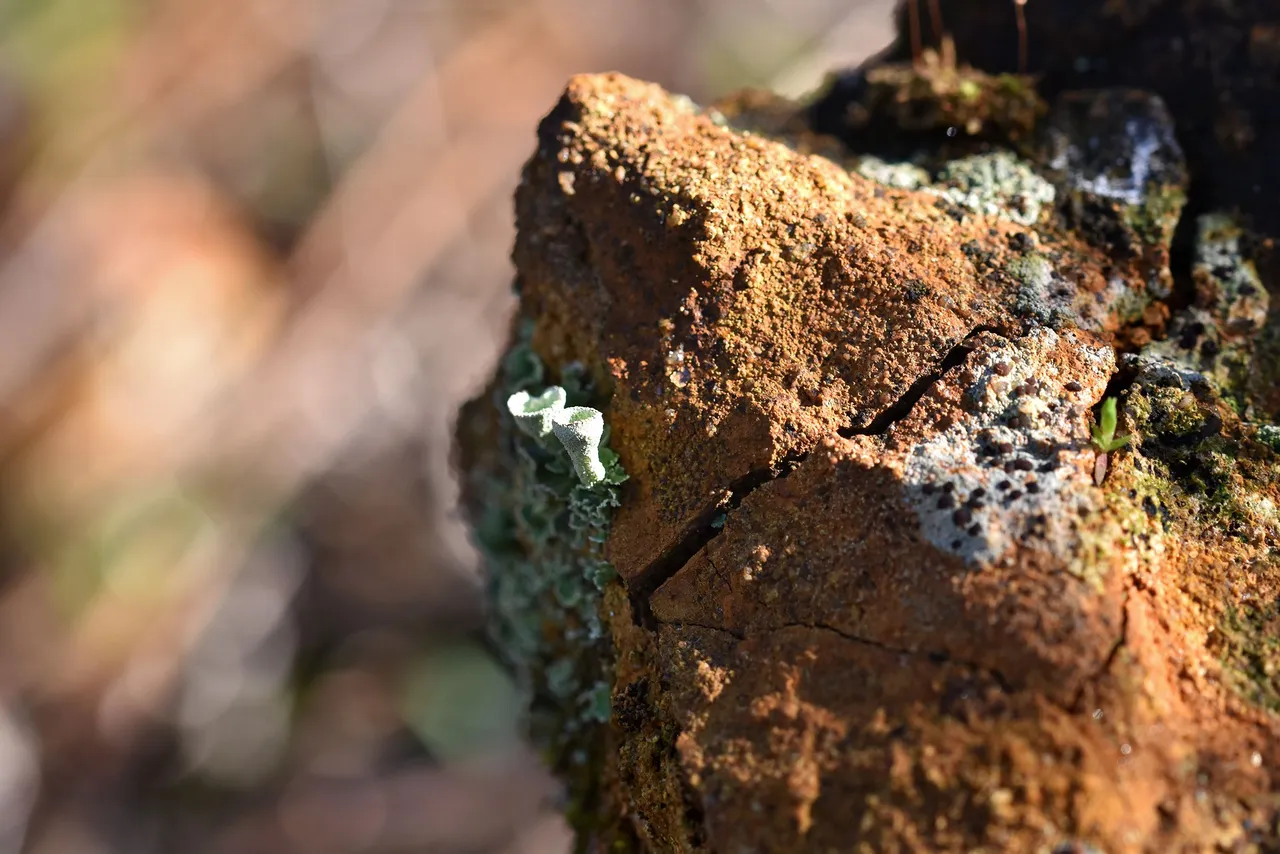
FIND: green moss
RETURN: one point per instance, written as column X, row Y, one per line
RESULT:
column 1183, row 432
column 1168, row 415
column 1193, row 439
column 542, row 536
column 1156, row 218
column 1187, row 477
column 1269, row 435
column 649, row 763
column 1139, row 499
column 1248, row 643
column 936, row 92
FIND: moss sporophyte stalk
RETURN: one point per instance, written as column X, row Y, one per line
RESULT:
column 549, row 497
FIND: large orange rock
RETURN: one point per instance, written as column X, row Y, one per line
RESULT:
column 875, row 590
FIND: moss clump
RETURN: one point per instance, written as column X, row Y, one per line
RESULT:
column 1269, row 435
column 939, row 93
column 649, row 768
column 1156, row 216
column 1183, row 431
column 542, row 536
column 1205, row 476
column 1168, row 416
column 1248, row 642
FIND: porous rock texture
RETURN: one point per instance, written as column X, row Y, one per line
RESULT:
column 876, row 591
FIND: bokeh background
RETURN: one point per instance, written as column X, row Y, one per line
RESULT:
column 253, row 255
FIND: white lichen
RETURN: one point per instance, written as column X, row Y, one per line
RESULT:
column 1017, row 469
column 1147, row 144
column 997, row 184
column 900, row 176
column 1216, row 338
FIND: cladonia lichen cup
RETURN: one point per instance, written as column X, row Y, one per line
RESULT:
column 580, row 429
column 534, row 414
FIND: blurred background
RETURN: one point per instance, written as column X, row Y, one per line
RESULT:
column 253, row 255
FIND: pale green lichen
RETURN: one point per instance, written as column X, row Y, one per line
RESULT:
column 579, row 430
column 1035, row 298
column 997, row 184
column 900, row 176
column 533, row 415
column 547, row 512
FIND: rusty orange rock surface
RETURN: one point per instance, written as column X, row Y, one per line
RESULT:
column 870, row 593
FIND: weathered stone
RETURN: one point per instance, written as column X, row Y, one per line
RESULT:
column 870, row 595
column 1115, row 153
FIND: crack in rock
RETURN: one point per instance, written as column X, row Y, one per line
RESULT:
column 1108, row 662
column 702, row 530
column 937, row 658
column 934, row 657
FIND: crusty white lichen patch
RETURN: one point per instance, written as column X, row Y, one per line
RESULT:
column 899, row 175
column 1045, row 296
column 1017, row 467
column 997, row 184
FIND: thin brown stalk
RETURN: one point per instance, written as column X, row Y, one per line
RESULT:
column 913, row 23
column 1019, row 9
column 935, row 18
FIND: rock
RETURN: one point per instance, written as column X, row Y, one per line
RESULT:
column 868, row 595
column 1115, row 153
column 1214, row 62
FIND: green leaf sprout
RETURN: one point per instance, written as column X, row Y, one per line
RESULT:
column 1104, row 432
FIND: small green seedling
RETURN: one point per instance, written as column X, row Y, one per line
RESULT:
column 1104, row 432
